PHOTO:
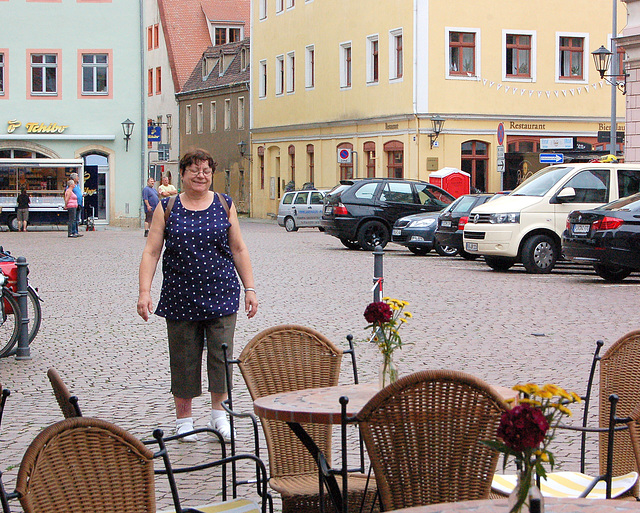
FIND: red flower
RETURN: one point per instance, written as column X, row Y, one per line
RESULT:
column 523, row 427
column 378, row 312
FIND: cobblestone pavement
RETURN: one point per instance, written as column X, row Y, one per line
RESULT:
column 502, row 327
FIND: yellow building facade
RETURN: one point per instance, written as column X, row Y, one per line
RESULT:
column 369, row 77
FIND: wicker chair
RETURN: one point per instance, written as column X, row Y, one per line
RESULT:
column 68, row 403
column 287, row 358
column 423, row 437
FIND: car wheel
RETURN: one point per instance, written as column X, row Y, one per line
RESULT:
column 468, row 256
column 611, row 273
column 445, row 250
column 290, row 225
column 350, row 244
column 372, row 234
column 419, row 251
column 539, row 254
column 499, row 263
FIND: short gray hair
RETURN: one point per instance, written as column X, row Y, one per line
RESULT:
column 74, row 176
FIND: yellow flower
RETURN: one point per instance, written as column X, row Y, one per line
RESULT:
column 562, row 408
column 545, row 394
column 552, row 389
column 576, row 398
column 405, row 303
column 563, row 393
column 543, row 455
column 393, row 306
column 386, row 298
column 403, row 320
column 529, row 388
column 408, row 314
column 532, row 402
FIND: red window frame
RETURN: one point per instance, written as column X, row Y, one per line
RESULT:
column 150, row 82
column 517, row 46
column 460, row 44
column 568, row 50
column 158, row 80
column 398, row 49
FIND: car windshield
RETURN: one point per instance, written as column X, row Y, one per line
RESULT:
column 628, row 204
column 463, row 204
column 540, row 183
column 338, row 189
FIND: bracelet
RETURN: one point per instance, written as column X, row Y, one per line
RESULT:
column 250, row 290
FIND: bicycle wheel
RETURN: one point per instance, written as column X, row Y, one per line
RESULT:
column 34, row 312
column 10, row 327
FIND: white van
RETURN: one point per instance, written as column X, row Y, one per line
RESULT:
column 527, row 224
column 301, row 209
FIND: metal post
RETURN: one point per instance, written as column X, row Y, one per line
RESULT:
column 378, row 275
column 613, row 132
column 23, row 352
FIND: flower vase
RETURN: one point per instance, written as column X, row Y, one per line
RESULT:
column 388, row 371
column 526, row 496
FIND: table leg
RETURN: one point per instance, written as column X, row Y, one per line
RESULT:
column 328, row 477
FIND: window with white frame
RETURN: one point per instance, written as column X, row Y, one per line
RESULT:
column 241, row 113
column 44, row 73
column 309, row 67
column 291, row 4
column 463, row 46
column 227, row 114
column 263, row 79
column 187, row 119
column 199, row 117
column 244, row 58
column 345, row 65
column 519, row 55
column 396, row 58
column 279, row 6
column 279, row 74
column 291, row 72
column 213, row 117
column 372, row 60
column 223, row 34
column 95, row 70
column 1, row 73
column 262, row 9
column 572, row 56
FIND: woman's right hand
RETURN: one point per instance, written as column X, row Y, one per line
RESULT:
column 145, row 306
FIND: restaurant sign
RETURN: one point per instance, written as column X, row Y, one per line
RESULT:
column 36, row 128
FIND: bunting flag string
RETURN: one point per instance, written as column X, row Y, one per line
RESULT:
column 549, row 94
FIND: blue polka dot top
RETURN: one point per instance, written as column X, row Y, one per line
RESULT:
column 199, row 276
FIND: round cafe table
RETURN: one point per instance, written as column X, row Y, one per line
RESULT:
column 550, row 506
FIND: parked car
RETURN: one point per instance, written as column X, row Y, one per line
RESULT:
column 417, row 233
column 452, row 220
column 301, row 209
column 361, row 212
column 526, row 225
column 607, row 237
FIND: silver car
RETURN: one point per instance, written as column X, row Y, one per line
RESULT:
column 301, row 209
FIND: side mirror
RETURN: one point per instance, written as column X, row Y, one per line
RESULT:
column 568, row 193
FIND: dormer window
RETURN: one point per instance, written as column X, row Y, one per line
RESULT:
column 223, row 34
column 244, row 58
column 226, row 61
column 208, row 63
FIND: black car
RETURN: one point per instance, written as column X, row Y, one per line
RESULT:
column 607, row 236
column 361, row 212
column 416, row 232
column 452, row 220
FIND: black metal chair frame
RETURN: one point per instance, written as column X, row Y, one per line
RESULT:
column 5, row 393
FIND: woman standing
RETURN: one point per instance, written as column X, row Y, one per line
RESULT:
column 71, row 204
column 22, row 210
column 200, row 291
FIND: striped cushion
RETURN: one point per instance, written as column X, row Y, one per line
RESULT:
column 568, row 484
column 234, row 506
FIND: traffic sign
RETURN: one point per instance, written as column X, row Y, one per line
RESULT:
column 344, row 156
column 551, row 158
column 500, row 133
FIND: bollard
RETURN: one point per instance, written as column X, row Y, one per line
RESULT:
column 23, row 352
column 378, row 275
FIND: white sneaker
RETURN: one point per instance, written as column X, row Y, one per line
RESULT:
column 221, row 424
column 185, row 427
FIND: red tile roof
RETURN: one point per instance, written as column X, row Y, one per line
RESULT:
column 186, row 30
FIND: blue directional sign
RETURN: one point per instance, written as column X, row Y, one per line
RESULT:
column 551, row 158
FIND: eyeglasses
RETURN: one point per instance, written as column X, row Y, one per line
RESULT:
column 196, row 172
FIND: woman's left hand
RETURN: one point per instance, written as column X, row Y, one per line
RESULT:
column 250, row 303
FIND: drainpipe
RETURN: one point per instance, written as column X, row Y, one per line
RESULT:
column 143, row 122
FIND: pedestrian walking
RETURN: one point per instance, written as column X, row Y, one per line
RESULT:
column 200, row 292
column 71, row 204
column 22, row 210
column 150, row 199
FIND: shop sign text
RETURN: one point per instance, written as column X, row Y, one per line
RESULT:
column 36, row 128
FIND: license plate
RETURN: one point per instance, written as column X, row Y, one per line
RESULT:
column 472, row 246
column 446, row 224
column 396, row 232
column 580, row 229
column 328, row 210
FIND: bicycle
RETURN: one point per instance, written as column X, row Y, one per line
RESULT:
column 9, row 317
column 9, row 269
